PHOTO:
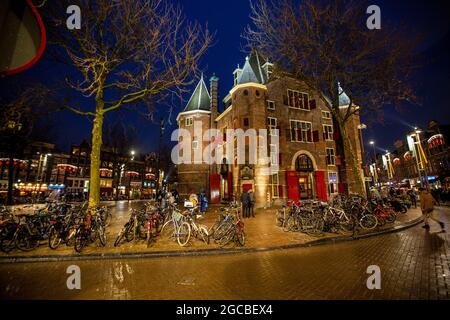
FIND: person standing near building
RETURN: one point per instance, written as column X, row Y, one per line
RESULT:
column 245, row 199
column 427, row 206
column 251, row 196
column 413, row 197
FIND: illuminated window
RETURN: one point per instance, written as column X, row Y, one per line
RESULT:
column 333, row 182
column 326, row 114
column 327, row 132
column 275, row 191
column 298, row 100
column 330, row 157
column 301, row 131
column 272, row 125
column 270, row 105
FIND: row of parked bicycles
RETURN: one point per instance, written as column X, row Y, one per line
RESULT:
column 56, row 223
column 151, row 221
column 344, row 214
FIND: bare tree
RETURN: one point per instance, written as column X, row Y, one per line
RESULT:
column 323, row 43
column 126, row 54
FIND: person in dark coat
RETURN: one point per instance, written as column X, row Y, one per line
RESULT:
column 251, row 196
column 245, row 199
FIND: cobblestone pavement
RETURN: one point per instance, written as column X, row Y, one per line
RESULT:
column 261, row 232
column 414, row 264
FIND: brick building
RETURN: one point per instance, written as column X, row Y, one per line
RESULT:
column 310, row 158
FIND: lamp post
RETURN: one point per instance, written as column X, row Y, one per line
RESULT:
column 372, row 143
column 421, row 163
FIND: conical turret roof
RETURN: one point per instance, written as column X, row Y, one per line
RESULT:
column 200, row 98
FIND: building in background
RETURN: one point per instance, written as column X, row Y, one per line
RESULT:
column 310, row 158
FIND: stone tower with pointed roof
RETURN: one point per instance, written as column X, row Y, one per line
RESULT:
column 194, row 178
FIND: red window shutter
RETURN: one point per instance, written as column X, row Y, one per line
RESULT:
column 315, row 135
column 299, row 134
column 279, row 158
column 309, row 136
column 280, row 191
column 312, row 104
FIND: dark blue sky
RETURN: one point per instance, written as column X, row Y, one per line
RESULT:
column 228, row 18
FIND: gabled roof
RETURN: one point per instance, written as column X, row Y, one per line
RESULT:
column 200, row 98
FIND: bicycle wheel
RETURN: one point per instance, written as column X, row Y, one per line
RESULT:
column 204, row 235
column 168, row 228
column 391, row 217
column 108, row 219
column 54, row 239
column 241, row 237
column 8, row 244
column 227, row 237
column 368, row 222
column 121, row 235
column 101, row 235
column 346, row 225
column 70, row 238
column 80, row 239
column 26, row 241
column 316, row 227
column 290, row 224
column 183, row 234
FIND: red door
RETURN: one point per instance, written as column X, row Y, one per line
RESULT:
column 246, row 186
column 292, row 185
column 321, row 186
column 214, row 186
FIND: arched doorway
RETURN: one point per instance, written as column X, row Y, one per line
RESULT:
column 305, row 174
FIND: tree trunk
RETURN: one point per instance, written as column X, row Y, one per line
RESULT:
column 356, row 170
column 94, row 183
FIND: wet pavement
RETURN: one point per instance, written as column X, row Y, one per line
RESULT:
column 414, row 264
column 261, row 232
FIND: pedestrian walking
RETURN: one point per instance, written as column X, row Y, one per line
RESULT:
column 412, row 195
column 251, row 196
column 427, row 203
column 245, row 199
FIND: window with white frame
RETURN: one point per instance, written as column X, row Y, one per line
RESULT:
column 270, row 105
column 273, row 154
column 333, row 182
column 326, row 114
column 327, row 132
column 189, row 121
column 301, row 131
column 330, row 157
column 298, row 100
column 275, row 192
column 272, row 125
column 195, row 143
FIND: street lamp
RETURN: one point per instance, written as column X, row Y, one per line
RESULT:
column 421, row 162
column 372, row 143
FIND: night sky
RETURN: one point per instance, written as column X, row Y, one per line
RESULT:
column 228, row 18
